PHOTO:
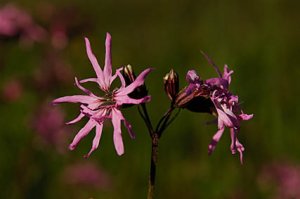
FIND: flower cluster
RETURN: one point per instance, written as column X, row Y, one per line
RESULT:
column 205, row 96
column 107, row 107
column 213, row 96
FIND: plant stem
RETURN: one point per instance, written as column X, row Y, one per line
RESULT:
column 154, row 158
column 155, row 135
column 146, row 114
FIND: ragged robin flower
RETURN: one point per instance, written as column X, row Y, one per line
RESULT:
column 107, row 107
column 223, row 104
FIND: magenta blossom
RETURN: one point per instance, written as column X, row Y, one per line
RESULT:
column 225, row 104
column 107, row 107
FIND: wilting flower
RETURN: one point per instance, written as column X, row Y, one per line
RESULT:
column 225, row 105
column 107, row 107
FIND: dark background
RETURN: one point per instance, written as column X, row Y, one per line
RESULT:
column 258, row 39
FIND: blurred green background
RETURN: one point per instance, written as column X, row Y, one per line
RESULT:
column 259, row 40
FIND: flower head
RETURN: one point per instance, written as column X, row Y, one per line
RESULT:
column 107, row 107
column 225, row 105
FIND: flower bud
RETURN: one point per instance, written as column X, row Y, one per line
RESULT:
column 129, row 77
column 171, row 83
column 128, row 74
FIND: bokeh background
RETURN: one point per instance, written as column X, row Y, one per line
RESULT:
column 44, row 49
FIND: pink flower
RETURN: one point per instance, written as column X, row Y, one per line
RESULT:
column 194, row 81
column 228, row 110
column 98, row 109
column 226, row 106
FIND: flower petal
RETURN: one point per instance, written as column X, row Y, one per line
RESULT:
column 137, row 82
column 82, row 133
column 228, row 111
column 192, row 77
column 222, row 116
column 219, row 82
column 233, row 140
column 125, row 99
column 227, row 73
column 244, row 116
column 240, row 149
column 96, row 139
column 84, row 99
column 88, row 92
column 123, row 82
column 89, row 80
column 129, row 128
column 77, row 119
column 235, row 144
column 127, row 125
column 116, row 121
column 233, row 99
column 100, row 115
column 216, row 138
column 93, row 59
column 86, row 110
column 107, row 71
column 225, row 115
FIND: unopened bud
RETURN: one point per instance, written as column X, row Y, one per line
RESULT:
column 128, row 74
column 171, row 83
column 129, row 77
